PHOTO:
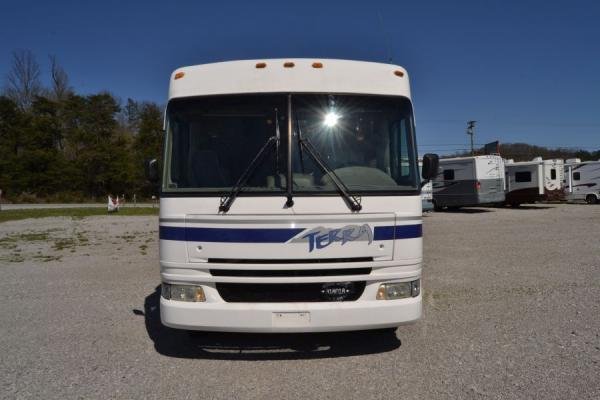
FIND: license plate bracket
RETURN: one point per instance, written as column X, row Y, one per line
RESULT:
column 290, row 319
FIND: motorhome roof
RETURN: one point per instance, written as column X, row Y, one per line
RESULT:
column 468, row 158
column 288, row 76
column 517, row 163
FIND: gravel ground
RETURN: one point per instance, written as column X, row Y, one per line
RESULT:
column 512, row 307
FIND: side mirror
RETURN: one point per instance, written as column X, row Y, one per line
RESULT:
column 152, row 170
column 431, row 163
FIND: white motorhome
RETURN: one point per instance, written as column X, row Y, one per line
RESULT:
column 469, row 181
column 582, row 180
column 290, row 198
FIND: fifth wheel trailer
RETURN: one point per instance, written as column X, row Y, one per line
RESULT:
column 533, row 181
column 469, row 181
column 582, row 180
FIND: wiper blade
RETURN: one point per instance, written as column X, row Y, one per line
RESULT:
column 352, row 201
column 227, row 201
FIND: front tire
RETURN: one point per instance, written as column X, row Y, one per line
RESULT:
column 591, row 199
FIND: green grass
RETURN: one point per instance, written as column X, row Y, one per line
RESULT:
column 13, row 215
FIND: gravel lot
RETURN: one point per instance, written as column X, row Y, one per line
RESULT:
column 512, row 310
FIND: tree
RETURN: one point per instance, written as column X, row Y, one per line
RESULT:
column 148, row 143
column 23, row 79
column 60, row 80
column 12, row 126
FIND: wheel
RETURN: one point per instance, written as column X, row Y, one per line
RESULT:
column 436, row 207
column 453, row 208
column 515, row 205
column 384, row 331
column 591, row 199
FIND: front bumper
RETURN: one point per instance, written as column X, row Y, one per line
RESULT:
column 305, row 317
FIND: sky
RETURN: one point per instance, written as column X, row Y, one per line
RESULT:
column 527, row 71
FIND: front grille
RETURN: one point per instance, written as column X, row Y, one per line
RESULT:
column 283, row 292
column 290, row 273
column 288, row 260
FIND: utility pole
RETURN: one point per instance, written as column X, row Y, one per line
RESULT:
column 470, row 132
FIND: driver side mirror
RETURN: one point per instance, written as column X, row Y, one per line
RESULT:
column 431, row 163
column 152, row 170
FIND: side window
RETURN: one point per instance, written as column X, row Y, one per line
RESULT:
column 576, row 176
column 552, row 174
column 448, row 174
column 523, row 176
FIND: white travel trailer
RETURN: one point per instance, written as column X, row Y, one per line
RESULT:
column 532, row 181
column 290, row 198
column 524, row 182
column 582, row 180
column 554, row 177
column 469, row 181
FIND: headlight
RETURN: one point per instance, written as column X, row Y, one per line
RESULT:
column 399, row 290
column 183, row 292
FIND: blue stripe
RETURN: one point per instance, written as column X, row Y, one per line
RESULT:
column 398, row 232
column 226, row 235
column 244, row 235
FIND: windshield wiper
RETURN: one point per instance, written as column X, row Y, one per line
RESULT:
column 352, row 201
column 227, row 201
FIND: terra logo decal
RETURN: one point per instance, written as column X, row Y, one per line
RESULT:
column 320, row 237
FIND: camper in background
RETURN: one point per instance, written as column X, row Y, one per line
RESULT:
column 582, row 180
column 532, row 181
column 554, row 177
column 524, row 182
column 469, row 181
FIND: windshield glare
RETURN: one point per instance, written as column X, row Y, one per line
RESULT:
column 368, row 141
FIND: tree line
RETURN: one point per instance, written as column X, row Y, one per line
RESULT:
column 58, row 145
column 526, row 152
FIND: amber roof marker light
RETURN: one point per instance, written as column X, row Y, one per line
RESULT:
column 317, row 65
column 179, row 75
column 261, row 65
column 399, row 73
column 288, row 64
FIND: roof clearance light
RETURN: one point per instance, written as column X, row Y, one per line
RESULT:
column 179, row 75
column 331, row 119
column 288, row 65
column 317, row 65
column 261, row 65
column 399, row 73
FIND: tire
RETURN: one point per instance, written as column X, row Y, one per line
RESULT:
column 591, row 199
column 436, row 207
column 453, row 208
column 384, row 331
column 515, row 205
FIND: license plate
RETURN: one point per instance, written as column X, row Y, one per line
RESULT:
column 290, row 319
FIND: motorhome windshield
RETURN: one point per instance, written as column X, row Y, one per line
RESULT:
column 367, row 141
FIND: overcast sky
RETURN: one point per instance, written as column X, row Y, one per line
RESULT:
column 527, row 71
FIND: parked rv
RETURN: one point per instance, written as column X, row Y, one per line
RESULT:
column 582, row 180
column 290, row 198
column 469, row 181
column 524, row 182
column 554, row 177
column 532, row 181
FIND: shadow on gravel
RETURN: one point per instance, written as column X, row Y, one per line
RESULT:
column 522, row 207
column 270, row 346
column 466, row 210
